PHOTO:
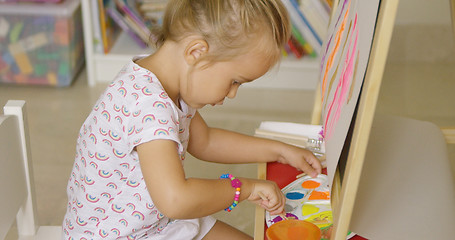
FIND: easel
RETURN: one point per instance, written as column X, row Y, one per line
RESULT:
column 344, row 196
column 449, row 132
column 344, row 192
column 452, row 8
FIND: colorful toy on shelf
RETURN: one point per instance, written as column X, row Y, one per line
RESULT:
column 41, row 43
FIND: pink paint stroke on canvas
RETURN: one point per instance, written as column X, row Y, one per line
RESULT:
column 342, row 90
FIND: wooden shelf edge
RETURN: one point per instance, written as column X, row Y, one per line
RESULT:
column 260, row 212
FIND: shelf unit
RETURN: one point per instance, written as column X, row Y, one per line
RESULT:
column 291, row 73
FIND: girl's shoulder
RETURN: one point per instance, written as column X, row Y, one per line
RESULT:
column 136, row 80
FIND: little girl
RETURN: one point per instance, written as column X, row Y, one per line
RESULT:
column 128, row 180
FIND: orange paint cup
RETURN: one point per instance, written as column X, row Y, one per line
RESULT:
column 293, row 230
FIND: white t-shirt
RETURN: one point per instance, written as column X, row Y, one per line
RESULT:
column 107, row 195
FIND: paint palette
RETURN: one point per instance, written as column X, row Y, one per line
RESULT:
column 307, row 199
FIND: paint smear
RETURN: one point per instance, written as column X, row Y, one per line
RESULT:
column 288, row 215
column 310, row 184
column 342, row 88
column 309, row 209
column 322, row 219
column 315, row 195
column 331, row 58
column 354, row 78
column 288, row 208
column 294, row 195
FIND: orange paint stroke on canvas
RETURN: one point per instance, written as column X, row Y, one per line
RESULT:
column 334, row 75
column 335, row 50
column 329, row 42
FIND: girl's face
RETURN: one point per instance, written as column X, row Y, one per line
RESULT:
column 211, row 85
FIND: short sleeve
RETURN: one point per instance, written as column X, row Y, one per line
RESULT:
column 152, row 119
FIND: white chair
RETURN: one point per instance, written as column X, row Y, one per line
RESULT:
column 407, row 189
column 17, row 191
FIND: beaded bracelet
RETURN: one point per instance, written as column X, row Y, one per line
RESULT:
column 235, row 183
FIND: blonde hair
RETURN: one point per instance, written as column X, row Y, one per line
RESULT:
column 230, row 27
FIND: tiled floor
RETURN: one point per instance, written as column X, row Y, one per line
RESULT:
column 417, row 90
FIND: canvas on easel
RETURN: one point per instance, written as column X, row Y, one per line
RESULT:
column 344, row 62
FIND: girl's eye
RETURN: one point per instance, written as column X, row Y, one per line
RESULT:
column 235, row 82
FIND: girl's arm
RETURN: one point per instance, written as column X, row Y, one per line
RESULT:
column 180, row 198
column 217, row 145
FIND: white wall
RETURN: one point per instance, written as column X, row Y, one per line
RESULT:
column 423, row 12
column 423, row 32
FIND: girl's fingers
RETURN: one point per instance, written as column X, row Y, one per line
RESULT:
column 310, row 170
column 276, row 207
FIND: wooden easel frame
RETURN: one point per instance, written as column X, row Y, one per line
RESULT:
column 452, row 11
column 343, row 196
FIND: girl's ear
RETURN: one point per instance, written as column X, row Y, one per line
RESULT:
column 194, row 50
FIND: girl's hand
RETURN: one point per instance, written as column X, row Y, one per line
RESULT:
column 301, row 159
column 268, row 195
